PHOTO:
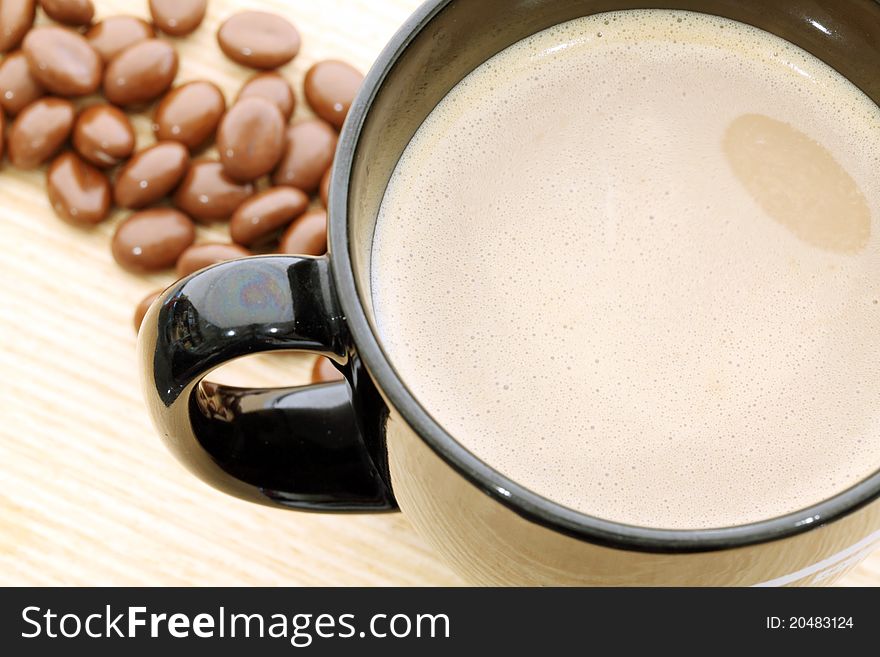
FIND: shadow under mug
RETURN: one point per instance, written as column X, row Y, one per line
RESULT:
column 365, row 444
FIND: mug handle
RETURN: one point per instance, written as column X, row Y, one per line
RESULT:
column 302, row 447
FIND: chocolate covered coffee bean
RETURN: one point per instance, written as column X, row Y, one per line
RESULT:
column 207, row 194
column 324, row 189
column 273, row 86
column 200, row 256
column 62, row 61
column 140, row 73
column 143, row 306
column 323, row 371
column 69, row 12
column 258, row 39
column 250, row 139
column 308, row 154
column 151, row 174
column 18, row 88
column 307, row 235
column 78, row 192
column 264, row 214
column 116, row 33
column 39, row 131
column 103, row 135
column 16, row 18
column 189, row 113
column 330, row 87
column 178, row 17
column 153, row 239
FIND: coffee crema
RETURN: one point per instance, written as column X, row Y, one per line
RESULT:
column 632, row 262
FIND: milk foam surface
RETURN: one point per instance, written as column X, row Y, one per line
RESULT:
column 577, row 275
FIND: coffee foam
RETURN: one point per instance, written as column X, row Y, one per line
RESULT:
column 575, row 274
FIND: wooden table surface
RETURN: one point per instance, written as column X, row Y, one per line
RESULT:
column 88, row 495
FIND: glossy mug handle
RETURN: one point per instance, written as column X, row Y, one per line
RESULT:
column 298, row 447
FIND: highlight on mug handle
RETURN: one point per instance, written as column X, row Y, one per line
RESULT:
column 301, row 447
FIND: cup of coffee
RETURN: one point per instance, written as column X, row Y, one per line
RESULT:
column 604, row 284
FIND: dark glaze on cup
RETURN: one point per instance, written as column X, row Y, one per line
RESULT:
column 150, row 175
column 306, row 235
column 79, row 193
column 207, row 194
column 178, row 17
column 16, row 18
column 189, row 113
column 324, row 189
column 18, row 88
column 330, row 87
column 258, row 39
column 323, row 371
column 63, row 61
column 273, row 86
column 39, row 131
column 69, row 12
column 116, row 33
column 142, row 308
column 103, row 135
column 140, row 73
column 262, row 215
column 153, row 239
column 307, row 155
column 250, row 139
column 200, row 256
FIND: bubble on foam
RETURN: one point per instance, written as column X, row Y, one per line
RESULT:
column 572, row 281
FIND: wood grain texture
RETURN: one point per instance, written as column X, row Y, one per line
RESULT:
column 88, row 495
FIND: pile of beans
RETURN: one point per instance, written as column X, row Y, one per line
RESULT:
column 266, row 171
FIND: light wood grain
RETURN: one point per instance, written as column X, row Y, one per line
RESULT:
column 88, row 495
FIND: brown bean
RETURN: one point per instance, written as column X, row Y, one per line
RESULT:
column 18, row 88
column 152, row 239
column 2, row 133
column 307, row 235
column 63, row 61
column 330, row 87
column 207, row 194
column 178, row 17
column 325, row 186
column 143, row 306
column 151, row 174
column 103, row 135
column 262, row 215
column 273, row 86
column 309, row 152
column 250, row 139
column 116, row 33
column 323, row 371
column 16, row 18
column 69, row 12
column 189, row 113
column 79, row 193
column 200, row 256
column 140, row 73
column 258, row 39
column 39, row 131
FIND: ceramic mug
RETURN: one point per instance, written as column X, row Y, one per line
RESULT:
column 366, row 444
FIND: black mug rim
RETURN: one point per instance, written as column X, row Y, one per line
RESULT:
column 523, row 501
